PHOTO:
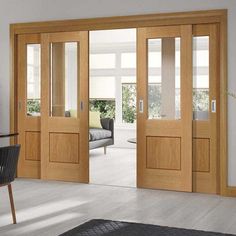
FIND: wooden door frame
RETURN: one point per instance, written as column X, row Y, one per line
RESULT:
column 135, row 21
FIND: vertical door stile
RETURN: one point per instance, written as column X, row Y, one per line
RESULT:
column 45, row 103
column 186, row 104
column 141, row 95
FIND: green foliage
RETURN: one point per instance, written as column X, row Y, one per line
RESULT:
column 154, row 101
column 129, row 103
column 33, row 106
column 200, row 99
column 233, row 95
column 105, row 107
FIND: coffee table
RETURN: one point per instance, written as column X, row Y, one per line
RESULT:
column 132, row 140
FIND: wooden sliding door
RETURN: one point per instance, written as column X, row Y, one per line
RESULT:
column 177, row 115
column 164, row 135
column 205, row 108
column 64, row 122
column 29, row 104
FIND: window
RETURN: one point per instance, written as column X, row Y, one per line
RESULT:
column 102, row 87
column 102, row 61
column 128, row 60
column 113, row 74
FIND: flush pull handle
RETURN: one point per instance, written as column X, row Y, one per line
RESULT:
column 140, row 106
column 19, row 105
column 81, row 105
column 213, row 106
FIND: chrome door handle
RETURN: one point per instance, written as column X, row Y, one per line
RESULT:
column 213, row 106
column 140, row 106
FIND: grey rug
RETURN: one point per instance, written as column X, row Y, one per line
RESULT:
column 117, row 228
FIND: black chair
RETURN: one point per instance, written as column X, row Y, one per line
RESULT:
column 8, row 164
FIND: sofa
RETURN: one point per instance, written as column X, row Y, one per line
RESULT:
column 102, row 137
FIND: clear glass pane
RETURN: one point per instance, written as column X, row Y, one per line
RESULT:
column 33, row 80
column 102, row 61
column 201, row 78
column 64, row 77
column 164, row 78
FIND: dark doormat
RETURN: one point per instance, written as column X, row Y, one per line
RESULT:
column 117, row 228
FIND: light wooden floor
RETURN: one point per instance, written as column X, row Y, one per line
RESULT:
column 50, row 207
column 117, row 167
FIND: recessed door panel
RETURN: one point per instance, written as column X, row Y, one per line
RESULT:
column 32, row 145
column 64, row 147
column 64, row 138
column 164, row 153
column 165, row 109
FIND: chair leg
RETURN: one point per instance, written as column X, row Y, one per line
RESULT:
column 105, row 150
column 12, row 203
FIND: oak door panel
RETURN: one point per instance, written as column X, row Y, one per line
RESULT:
column 163, row 153
column 201, row 155
column 164, row 146
column 64, row 139
column 32, row 146
column 28, row 124
column 205, row 126
column 64, row 148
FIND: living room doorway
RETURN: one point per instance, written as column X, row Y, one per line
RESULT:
column 112, row 98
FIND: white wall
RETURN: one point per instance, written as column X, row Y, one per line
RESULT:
column 13, row 11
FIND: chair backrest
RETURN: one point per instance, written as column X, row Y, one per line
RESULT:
column 8, row 163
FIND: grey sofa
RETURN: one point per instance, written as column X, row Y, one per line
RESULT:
column 102, row 137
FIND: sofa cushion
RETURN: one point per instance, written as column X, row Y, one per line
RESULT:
column 97, row 134
column 94, row 119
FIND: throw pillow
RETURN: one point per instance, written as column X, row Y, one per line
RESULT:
column 73, row 113
column 94, row 119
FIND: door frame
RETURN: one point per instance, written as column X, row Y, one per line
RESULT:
column 136, row 21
